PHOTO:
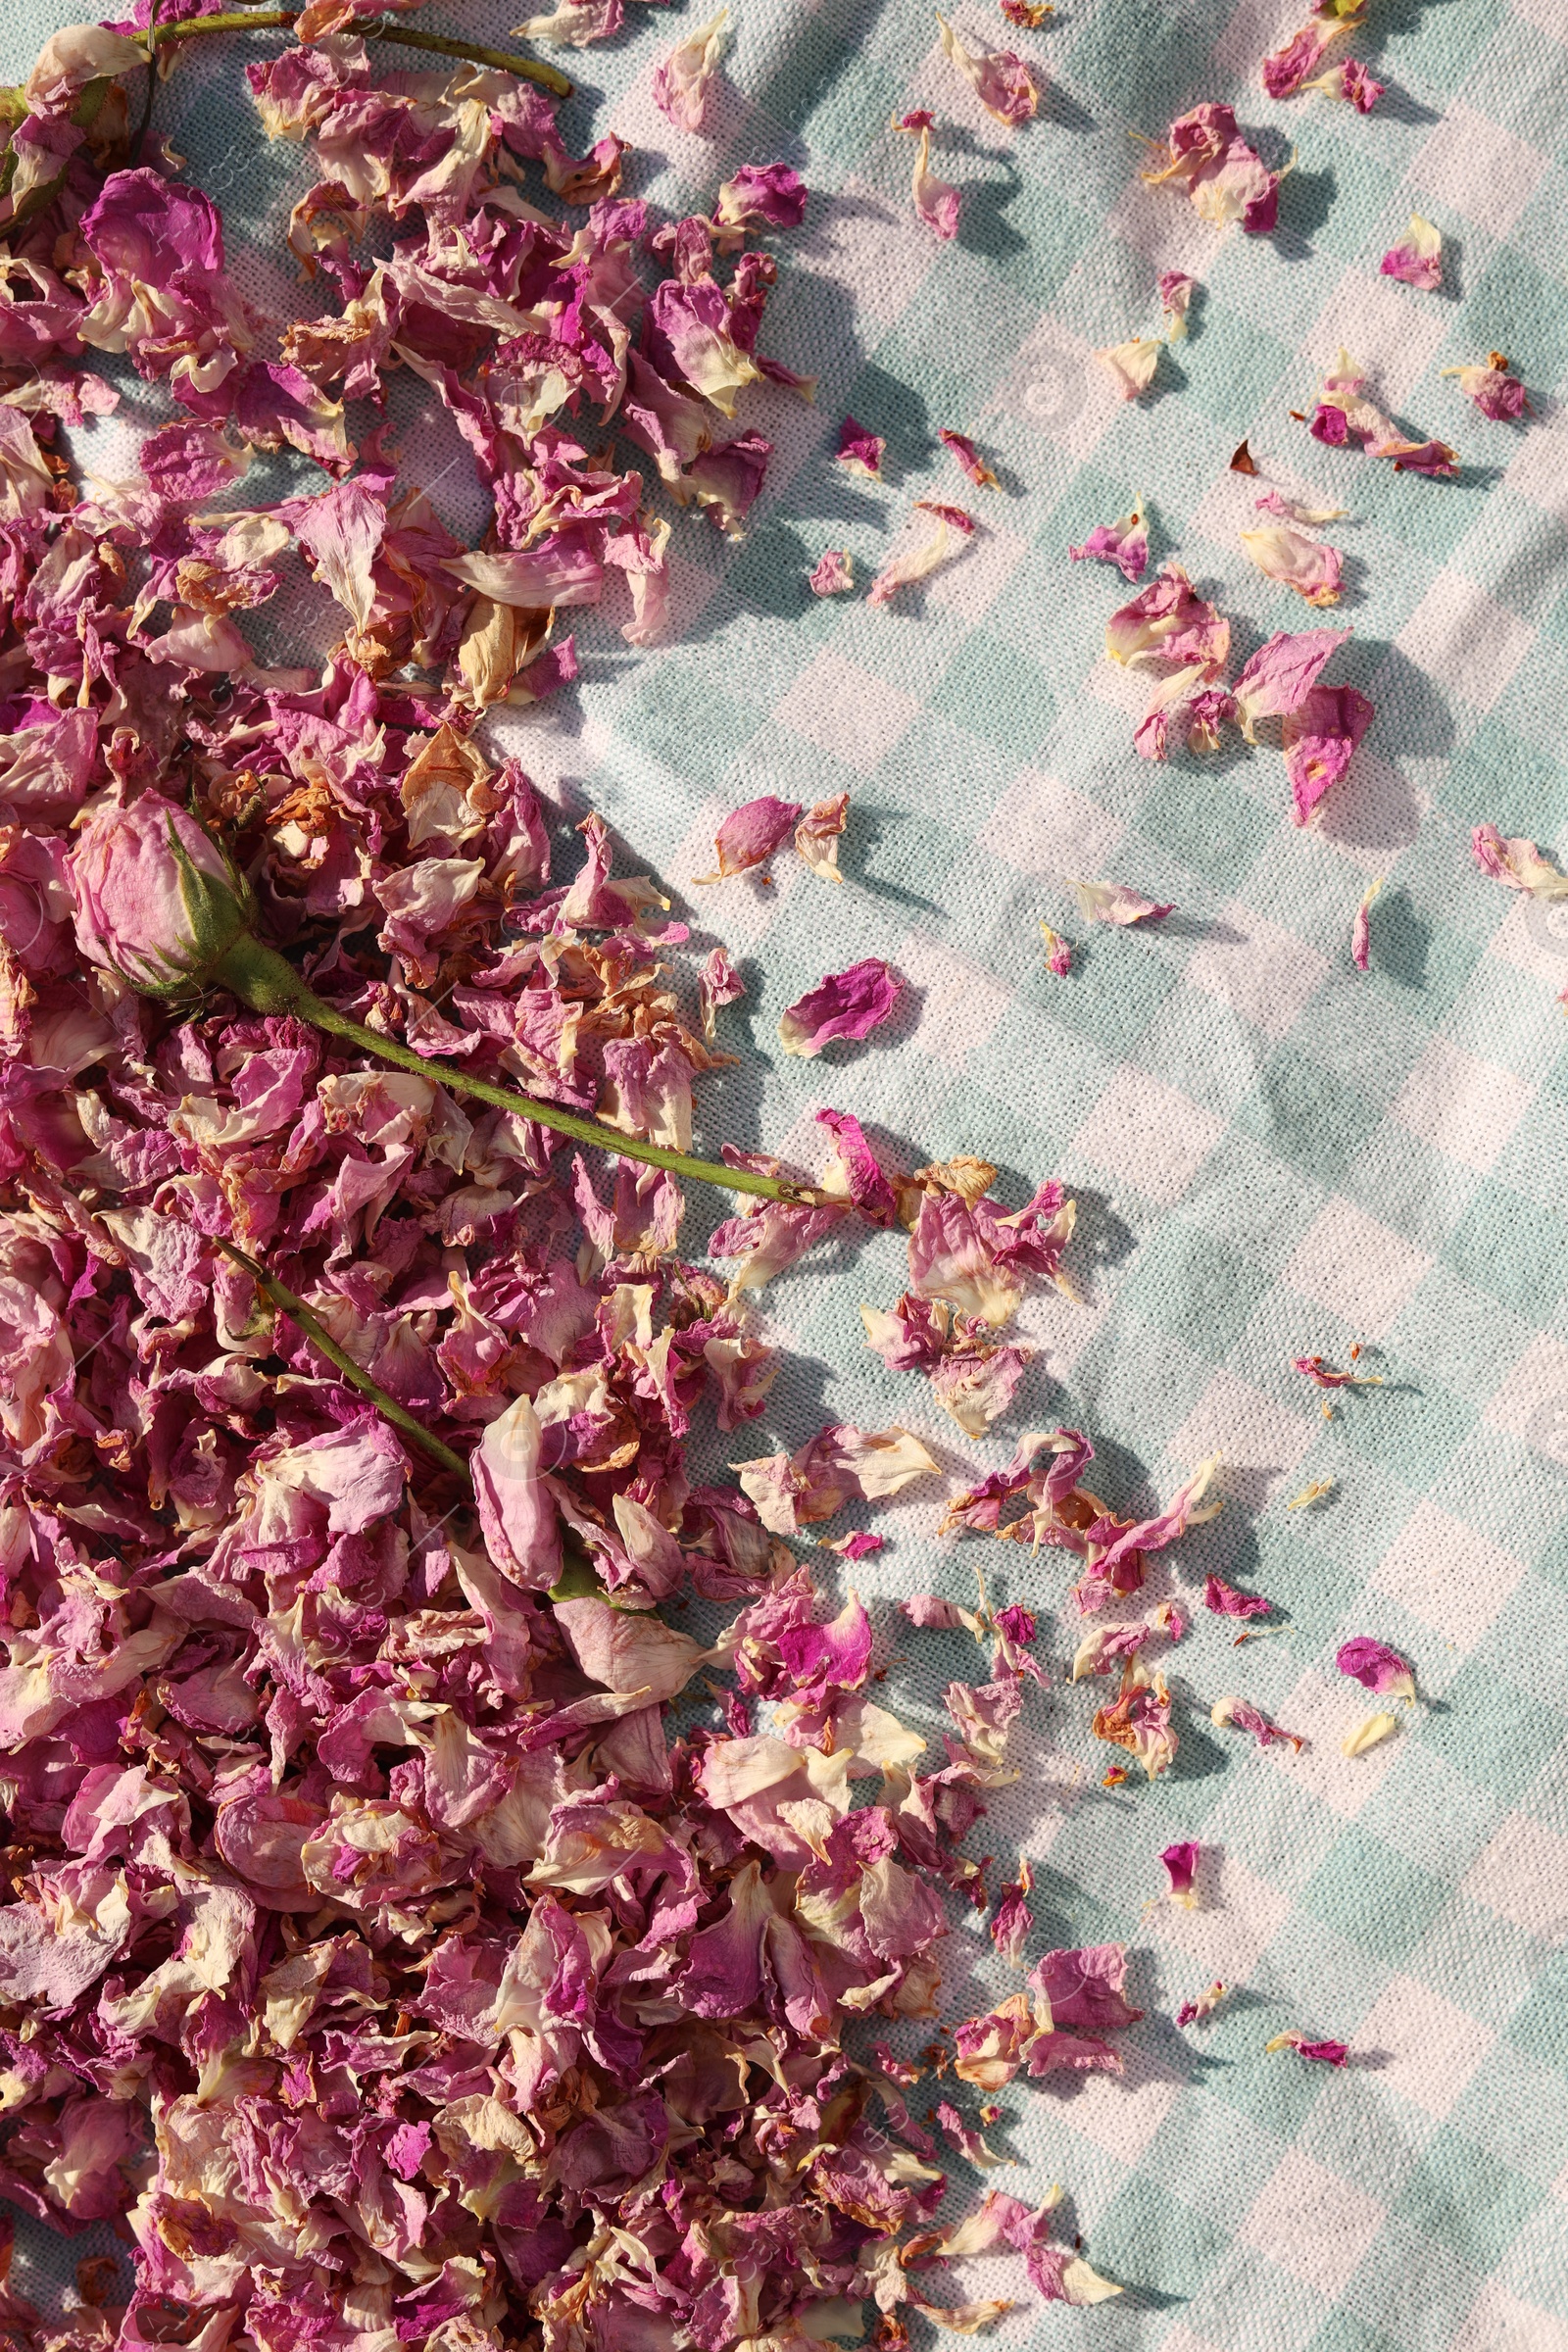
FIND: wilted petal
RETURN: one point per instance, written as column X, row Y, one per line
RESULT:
column 681, row 80
column 1417, row 260
column 833, row 574
column 1124, row 543
column 1002, row 81
column 1308, row 566
column 921, row 561
column 846, row 1005
column 1131, row 365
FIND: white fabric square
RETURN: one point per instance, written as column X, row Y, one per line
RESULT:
column 1359, row 1268
column 1265, row 975
column 1150, row 1134
column 963, row 1001
column 1522, row 1874
column 1465, row 638
column 1433, row 2048
column 1464, row 1106
column 1042, row 826
column 1313, row 2223
column 1479, row 168
column 846, row 711
column 1447, row 1575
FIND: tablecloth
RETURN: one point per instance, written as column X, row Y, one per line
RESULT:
column 1272, row 1153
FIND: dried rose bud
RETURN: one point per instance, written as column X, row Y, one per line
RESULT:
column 157, row 900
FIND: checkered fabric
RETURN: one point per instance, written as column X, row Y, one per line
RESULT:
column 1272, row 1153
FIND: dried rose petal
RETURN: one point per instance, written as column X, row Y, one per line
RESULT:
column 833, row 574
column 1004, row 84
column 1375, row 1665
column 1418, row 261
column 860, row 451
column 1124, row 543
column 845, row 1005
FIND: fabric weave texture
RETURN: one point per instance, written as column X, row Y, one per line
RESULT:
column 1273, row 1153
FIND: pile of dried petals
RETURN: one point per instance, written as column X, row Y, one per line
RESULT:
column 379, row 1950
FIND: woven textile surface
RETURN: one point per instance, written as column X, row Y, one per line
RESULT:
column 1273, row 1153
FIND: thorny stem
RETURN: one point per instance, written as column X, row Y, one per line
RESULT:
column 375, row 28
column 320, row 1338
column 261, row 979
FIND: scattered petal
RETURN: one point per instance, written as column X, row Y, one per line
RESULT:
column 817, row 836
column 1376, row 1666
column 1518, row 864
column 1176, row 291
column 1059, row 954
column 682, row 79
column 1181, row 1869
column 859, row 449
column 1308, row 566
column 845, row 1005
column 1327, row 2054
column 1418, row 261
column 1002, row 81
column 1494, row 392
column 1115, row 902
column 749, row 836
column 1310, row 1493
column 969, row 460
column 1201, row 2004
column 833, row 574
column 1131, row 365
column 1361, row 928
column 935, row 202
column 1124, row 543
column 1241, row 1714
column 1226, row 1601
column 921, row 560
column 1370, row 1732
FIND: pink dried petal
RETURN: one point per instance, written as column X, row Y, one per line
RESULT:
column 859, row 449
column 845, row 1005
column 1115, row 903
column 1311, row 568
column 1201, row 2004
column 833, row 574
column 935, row 202
column 1418, row 261
column 1361, row 927
column 1374, row 1664
column 749, row 836
column 1058, row 953
column 1176, row 291
column 1002, row 81
column 859, row 1545
column 1326, row 2053
column 1518, row 862
column 1181, row 1869
column 818, row 835
column 1226, row 1601
column 681, row 80
column 1131, row 365
column 1280, row 676
column 1320, row 737
column 720, row 984
column 1494, row 392
column 969, row 460
column 1287, row 69
column 1245, row 1717
column 924, row 559
column 1124, row 543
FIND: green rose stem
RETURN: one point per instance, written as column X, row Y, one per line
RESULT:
column 264, row 981
column 375, row 28
column 319, row 1337
column 577, row 1579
